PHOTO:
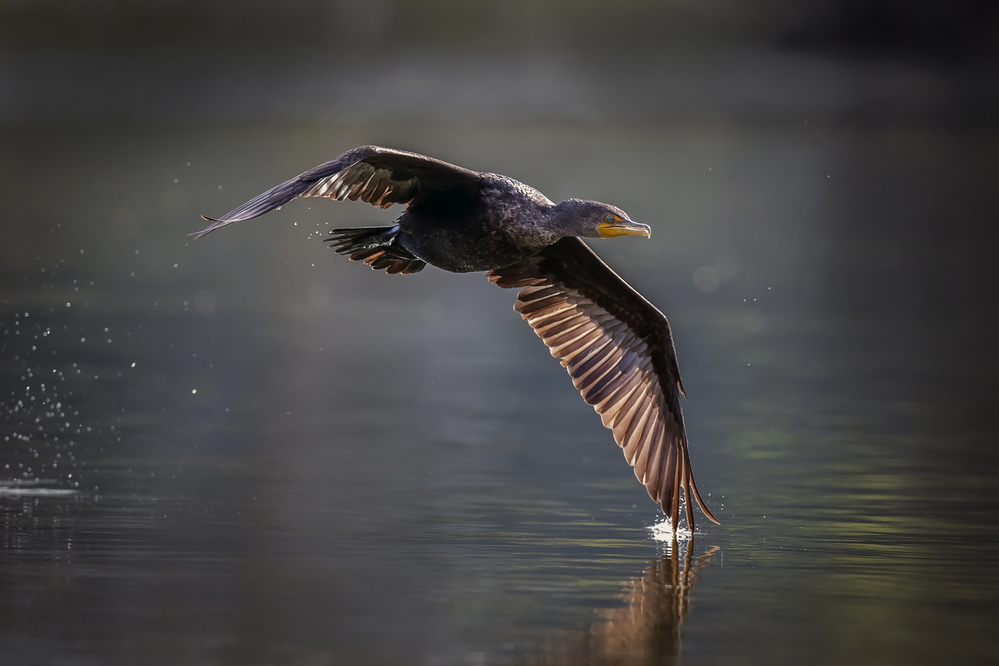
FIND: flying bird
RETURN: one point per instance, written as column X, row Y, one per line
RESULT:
column 616, row 346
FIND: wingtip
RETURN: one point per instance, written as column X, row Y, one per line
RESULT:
column 215, row 224
column 701, row 503
column 707, row 514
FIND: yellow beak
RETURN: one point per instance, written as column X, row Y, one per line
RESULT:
column 624, row 228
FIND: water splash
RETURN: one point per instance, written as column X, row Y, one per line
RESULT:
column 663, row 531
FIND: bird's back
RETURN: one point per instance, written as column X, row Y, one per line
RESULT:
column 463, row 230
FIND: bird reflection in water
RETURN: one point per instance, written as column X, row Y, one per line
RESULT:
column 646, row 629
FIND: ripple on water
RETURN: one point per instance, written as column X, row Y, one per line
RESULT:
column 34, row 489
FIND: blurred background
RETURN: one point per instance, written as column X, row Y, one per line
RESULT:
column 249, row 450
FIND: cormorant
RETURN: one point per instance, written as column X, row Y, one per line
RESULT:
column 615, row 344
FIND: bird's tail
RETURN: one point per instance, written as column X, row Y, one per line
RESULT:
column 377, row 247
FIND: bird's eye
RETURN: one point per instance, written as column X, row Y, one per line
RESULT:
column 610, row 218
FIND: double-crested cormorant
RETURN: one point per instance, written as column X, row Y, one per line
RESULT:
column 615, row 344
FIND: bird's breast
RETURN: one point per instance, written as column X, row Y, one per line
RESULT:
column 462, row 248
column 490, row 229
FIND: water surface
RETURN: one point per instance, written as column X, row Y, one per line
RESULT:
column 252, row 451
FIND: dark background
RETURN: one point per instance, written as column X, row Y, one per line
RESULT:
column 250, row 451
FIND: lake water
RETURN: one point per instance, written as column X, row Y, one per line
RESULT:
column 251, row 451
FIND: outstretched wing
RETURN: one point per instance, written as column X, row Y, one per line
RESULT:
column 619, row 351
column 378, row 176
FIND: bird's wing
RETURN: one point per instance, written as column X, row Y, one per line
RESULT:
column 619, row 351
column 378, row 176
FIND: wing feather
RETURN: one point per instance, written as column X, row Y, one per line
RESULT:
column 378, row 176
column 618, row 349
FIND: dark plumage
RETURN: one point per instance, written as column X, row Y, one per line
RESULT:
column 615, row 344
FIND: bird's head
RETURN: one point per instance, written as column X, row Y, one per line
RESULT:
column 592, row 219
